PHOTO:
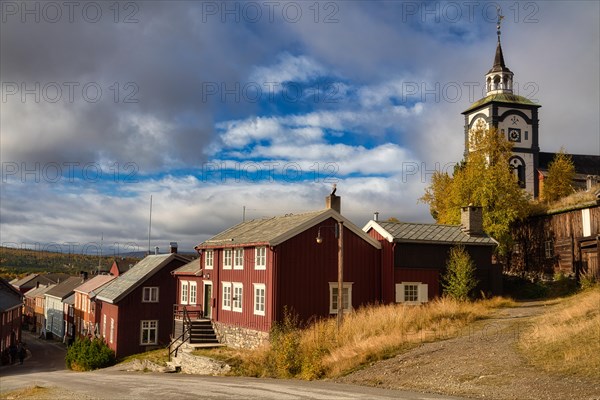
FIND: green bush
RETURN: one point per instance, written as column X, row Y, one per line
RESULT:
column 459, row 280
column 88, row 354
column 285, row 358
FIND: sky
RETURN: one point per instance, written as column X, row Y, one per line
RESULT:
column 224, row 110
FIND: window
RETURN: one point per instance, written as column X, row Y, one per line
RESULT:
column 260, row 258
column 549, row 248
column 346, row 297
column 411, row 292
column 259, row 298
column 227, row 259
column 112, row 329
column 104, row 326
column 149, row 332
column 150, row 295
column 208, row 259
column 237, row 297
column 226, row 296
column 184, row 292
column 238, row 262
column 193, row 292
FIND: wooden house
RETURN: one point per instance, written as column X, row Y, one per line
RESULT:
column 69, row 319
column 32, row 281
column 414, row 256
column 136, row 308
column 565, row 241
column 30, row 318
column 251, row 273
column 86, row 314
column 54, row 306
column 11, row 303
column 39, row 310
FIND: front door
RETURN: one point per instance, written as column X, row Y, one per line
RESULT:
column 207, row 300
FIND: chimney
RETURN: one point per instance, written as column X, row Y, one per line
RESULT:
column 334, row 202
column 471, row 219
column 376, row 216
column 173, row 247
column 156, row 250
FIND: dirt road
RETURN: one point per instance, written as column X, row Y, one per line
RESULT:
column 481, row 362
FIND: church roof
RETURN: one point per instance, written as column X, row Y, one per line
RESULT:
column 499, row 65
column 507, row 98
column 583, row 163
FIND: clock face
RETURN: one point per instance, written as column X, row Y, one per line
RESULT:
column 514, row 135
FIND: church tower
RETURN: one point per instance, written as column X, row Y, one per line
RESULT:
column 515, row 117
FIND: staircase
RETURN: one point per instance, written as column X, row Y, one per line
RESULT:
column 202, row 332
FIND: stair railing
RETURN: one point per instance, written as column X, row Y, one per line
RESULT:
column 187, row 327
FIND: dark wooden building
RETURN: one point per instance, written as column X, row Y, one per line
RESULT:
column 136, row 308
column 414, row 256
column 11, row 303
column 564, row 241
column 253, row 272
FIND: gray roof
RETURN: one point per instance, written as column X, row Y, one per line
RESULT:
column 70, row 300
column 42, row 289
column 276, row 230
column 189, row 268
column 65, row 288
column 9, row 296
column 408, row 232
column 118, row 288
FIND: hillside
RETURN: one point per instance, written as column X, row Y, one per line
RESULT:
column 20, row 262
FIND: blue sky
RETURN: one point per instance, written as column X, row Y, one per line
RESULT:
column 210, row 107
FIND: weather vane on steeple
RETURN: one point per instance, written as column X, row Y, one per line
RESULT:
column 500, row 17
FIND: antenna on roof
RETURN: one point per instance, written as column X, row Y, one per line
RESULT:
column 244, row 214
column 150, row 225
column 100, row 254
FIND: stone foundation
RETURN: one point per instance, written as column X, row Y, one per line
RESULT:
column 235, row 336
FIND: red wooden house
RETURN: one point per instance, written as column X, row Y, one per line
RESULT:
column 414, row 256
column 249, row 274
column 86, row 315
column 11, row 303
column 136, row 308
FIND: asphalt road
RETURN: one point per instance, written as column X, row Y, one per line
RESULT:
column 44, row 366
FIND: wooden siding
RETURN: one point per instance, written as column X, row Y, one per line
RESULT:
column 305, row 268
column 388, row 294
column 424, row 275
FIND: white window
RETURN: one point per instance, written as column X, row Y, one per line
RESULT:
column 549, row 248
column 237, row 297
column 346, row 297
column 149, row 334
column 208, row 259
column 193, row 292
column 226, row 296
column 260, row 258
column 259, row 298
column 184, row 292
column 104, row 326
column 150, row 295
column 411, row 292
column 112, row 329
column 238, row 261
column 227, row 259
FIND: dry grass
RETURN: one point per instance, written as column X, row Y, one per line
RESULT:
column 34, row 392
column 567, row 339
column 159, row 356
column 369, row 334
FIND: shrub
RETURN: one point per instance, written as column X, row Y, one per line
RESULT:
column 459, row 280
column 88, row 354
column 284, row 358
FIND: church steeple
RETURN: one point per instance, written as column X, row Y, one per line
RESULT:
column 499, row 79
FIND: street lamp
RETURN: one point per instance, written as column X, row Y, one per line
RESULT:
column 339, row 235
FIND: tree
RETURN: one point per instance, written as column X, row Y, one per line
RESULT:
column 561, row 172
column 484, row 179
column 459, row 280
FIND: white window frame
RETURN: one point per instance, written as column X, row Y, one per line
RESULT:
column 227, row 258
column 104, row 326
column 237, row 297
column 238, row 258
column 422, row 292
column 193, row 293
column 184, row 292
column 150, row 294
column 347, row 286
column 209, row 259
column 226, row 302
column 260, row 299
column 112, row 330
column 148, row 325
column 260, row 257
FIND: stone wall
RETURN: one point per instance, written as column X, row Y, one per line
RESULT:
column 239, row 337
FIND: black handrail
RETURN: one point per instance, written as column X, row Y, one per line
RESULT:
column 187, row 327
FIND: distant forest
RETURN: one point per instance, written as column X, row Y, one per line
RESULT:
column 17, row 263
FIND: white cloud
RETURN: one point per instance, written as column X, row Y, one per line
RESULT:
column 288, row 68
